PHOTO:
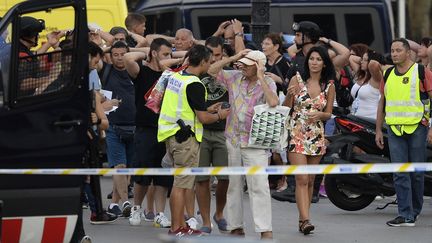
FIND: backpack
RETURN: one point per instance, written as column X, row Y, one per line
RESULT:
column 343, row 88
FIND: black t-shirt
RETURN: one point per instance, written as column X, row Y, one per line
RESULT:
column 297, row 64
column 215, row 93
column 195, row 93
column 119, row 82
column 144, row 81
column 280, row 69
column 131, row 42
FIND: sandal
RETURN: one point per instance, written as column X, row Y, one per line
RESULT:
column 222, row 224
column 306, row 227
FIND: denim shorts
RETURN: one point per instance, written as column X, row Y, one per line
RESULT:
column 118, row 151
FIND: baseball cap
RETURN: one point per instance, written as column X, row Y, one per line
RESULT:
column 253, row 57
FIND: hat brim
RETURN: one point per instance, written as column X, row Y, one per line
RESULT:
column 247, row 61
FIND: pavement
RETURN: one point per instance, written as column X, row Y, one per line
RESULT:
column 333, row 225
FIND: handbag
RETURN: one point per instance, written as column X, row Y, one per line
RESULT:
column 268, row 128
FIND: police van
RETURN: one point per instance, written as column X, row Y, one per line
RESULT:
column 347, row 21
column 42, row 129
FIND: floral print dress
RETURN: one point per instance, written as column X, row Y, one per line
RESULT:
column 307, row 137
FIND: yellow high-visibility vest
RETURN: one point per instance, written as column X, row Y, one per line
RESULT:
column 175, row 106
column 404, row 108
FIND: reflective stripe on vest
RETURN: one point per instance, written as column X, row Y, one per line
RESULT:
column 175, row 106
column 402, row 93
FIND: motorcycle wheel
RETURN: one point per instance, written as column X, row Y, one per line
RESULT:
column 343, row 198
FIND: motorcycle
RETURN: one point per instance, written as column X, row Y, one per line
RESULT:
column 355, row 143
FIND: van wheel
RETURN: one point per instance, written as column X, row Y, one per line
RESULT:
column 343, row 198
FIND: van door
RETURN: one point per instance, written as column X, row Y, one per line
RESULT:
column 44, row 113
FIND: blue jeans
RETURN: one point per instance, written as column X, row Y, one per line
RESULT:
column 118, row 151
column 329, row 127
column 90, row 198
column 409, row 186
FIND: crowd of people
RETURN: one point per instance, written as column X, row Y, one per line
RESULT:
column 206, row 114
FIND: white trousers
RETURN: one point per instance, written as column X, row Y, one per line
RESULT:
column 258, row 188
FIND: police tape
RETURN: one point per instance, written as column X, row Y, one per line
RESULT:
column 251, row 170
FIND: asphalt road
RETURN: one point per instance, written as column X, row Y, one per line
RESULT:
column 333, row 225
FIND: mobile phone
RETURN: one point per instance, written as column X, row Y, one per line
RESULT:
column 225, row 105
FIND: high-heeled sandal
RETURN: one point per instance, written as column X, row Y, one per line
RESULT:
column 306, row 227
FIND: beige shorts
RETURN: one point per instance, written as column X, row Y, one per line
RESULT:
column 185, row 155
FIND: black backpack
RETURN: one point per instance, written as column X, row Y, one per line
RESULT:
column 104, row 74
column 343, row 92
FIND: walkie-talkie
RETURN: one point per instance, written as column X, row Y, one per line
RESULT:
column 184, row 133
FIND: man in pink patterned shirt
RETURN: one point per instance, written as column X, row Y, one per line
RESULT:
column 247, row 88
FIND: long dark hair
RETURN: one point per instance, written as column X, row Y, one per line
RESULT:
column 360, row 49
column 328, row 71
column 373, row 55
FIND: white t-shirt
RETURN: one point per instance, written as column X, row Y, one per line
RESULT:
column 367, row 100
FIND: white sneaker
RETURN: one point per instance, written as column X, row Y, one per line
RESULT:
column 161, row 221
column 135, row 216
column 192, row 223
column 86, row 239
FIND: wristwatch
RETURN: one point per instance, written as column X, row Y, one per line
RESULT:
column 239, row 34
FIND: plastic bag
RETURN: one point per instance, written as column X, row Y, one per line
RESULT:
column 155, row 97
column 268, row 128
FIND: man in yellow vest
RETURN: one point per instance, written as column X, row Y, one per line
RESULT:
column 404, row 105
column 182, row 114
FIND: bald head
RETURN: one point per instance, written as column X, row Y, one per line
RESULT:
column 184, row 40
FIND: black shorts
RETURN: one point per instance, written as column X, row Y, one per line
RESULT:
column 149, row 154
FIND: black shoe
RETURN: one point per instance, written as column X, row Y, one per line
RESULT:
column 109, row 196
column 315, row 198
column 401, row 221
column 115, row 210
column 126, row 209
column 104, row 218
column 287, row 195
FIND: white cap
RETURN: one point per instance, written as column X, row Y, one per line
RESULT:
column 254, row 57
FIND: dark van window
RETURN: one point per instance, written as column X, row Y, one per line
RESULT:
column 5, row 49
column 209, row 24
column 326, row 23
column 49, row 72
column 356, row 32
column 162, row 23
